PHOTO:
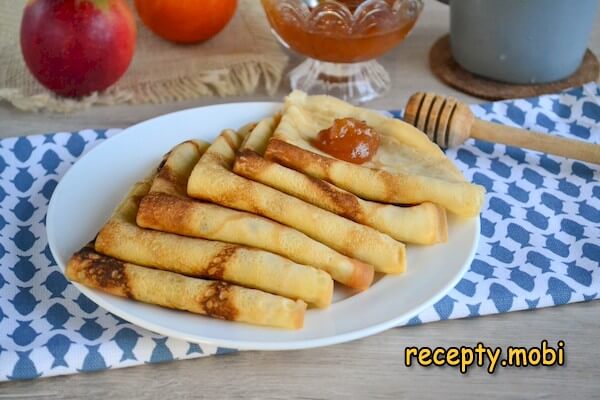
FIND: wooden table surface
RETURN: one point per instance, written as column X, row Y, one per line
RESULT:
column 369, row 368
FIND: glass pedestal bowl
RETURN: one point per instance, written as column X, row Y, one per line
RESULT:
column 341, row 40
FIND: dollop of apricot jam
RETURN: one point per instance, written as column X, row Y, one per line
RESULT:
column 348, row 139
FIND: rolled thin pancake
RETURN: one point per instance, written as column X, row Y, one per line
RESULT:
column 123, row 239
column 168, row 289
column 167, row 208
column 406, row 169
column 174, row 170
column 213, row 180
column 422, row 224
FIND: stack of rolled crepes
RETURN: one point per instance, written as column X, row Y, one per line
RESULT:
column 259, row 224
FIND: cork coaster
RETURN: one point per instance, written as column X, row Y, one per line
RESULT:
column 446, row 69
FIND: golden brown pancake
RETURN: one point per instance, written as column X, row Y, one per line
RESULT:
column 123, row 239
column 212, row 179
column 168, row 208
column 168, row 289
column 406, row 169
column 422, row 224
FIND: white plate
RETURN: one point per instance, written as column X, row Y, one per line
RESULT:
column 87, row 194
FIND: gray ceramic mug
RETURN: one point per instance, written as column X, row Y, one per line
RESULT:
column 521, row 41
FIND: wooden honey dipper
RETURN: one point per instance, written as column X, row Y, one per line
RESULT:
column 449, row 123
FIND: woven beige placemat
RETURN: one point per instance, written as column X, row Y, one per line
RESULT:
column 239, row 60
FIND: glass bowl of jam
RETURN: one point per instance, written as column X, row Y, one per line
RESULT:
column 341, row 40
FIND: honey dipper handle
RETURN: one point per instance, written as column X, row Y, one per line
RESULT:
column 569, row 148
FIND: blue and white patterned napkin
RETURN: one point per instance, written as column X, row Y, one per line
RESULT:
column 540, row 243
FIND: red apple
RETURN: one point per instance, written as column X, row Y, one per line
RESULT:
column 76, row 47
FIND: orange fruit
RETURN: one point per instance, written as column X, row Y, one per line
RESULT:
column 186, row 21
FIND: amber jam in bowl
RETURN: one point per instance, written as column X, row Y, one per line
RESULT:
column 342, row 38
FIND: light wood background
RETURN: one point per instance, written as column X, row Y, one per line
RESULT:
column 371, row 368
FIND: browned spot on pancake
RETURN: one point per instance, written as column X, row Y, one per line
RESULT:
column 344, row 203
column 249, row 163
column 362, row 275
column 240, row 198
column 299, row 159
column 391, row 184
column 164, row 212
column 217, row 301
column 216, row 266
column 101, row 271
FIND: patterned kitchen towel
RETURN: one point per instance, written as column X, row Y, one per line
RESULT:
column 540, row 243
column 540, row 228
